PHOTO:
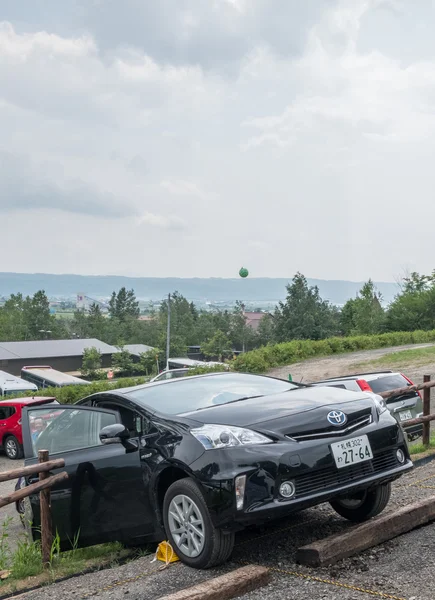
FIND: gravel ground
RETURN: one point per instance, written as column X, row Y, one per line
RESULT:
column 342, row 364
column 387, row 571
column 15, row 529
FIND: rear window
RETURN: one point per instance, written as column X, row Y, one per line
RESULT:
column 390, row 382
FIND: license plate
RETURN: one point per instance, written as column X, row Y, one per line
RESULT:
column 351, row 452
column 405, row 415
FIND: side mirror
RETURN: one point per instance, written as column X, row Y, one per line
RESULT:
column 114, row 434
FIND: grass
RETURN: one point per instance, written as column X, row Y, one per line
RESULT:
column 403, row 358
column 25, row 569
column 419, row 448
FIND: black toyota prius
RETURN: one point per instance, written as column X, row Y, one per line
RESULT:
column 195, row 460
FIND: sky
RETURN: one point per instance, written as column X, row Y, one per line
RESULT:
column 188, row 138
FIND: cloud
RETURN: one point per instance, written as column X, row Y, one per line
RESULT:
column 216, row 34
column 181, row 187
column 165, row 222
column 27, row 185
column 279, row 134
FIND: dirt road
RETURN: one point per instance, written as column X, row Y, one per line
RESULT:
column 343, row 364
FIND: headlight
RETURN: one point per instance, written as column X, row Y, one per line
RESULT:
column 223, row 436
column 381, row 407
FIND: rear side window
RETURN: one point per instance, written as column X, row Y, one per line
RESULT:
column 6, row 412
column 390, row 382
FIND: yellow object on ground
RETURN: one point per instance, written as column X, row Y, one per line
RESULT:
column 165, row 553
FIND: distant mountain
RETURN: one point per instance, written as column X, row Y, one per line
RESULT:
column 199, row 290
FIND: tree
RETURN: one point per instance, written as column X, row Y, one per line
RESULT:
column 241, row 335
column 218, row 346
column 37, row 315
column 96, row 322
column 123, row 305
column 364, row 314
column 304, row 314
column 266, row 330
column 91, row 361
column 123, row 362
column 414, row 307
column 150, row 361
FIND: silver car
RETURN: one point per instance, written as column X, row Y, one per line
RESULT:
column 404, row 407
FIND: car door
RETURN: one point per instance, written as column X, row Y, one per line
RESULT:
column 96, row 503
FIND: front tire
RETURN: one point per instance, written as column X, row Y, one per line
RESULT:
column 13, row 448
column 194, row 538
column 364, row 505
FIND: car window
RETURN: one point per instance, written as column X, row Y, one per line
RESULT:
column 65, row 430
column 391, row 382
column 129, row 418
column 6, row 412
column 192, row 393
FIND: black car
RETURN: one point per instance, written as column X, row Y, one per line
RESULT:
column 195, row 460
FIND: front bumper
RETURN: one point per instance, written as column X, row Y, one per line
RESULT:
column 309, row 465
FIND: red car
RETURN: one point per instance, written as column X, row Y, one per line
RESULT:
column 11, row 437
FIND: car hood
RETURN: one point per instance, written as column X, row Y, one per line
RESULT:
column 276, row 412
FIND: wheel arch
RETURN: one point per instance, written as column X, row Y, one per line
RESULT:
column 167, row 476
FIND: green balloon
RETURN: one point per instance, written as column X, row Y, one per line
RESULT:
column 243, row 272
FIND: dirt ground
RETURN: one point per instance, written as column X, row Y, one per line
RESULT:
column 8, row 513
column 344, row 364
column 401, row 569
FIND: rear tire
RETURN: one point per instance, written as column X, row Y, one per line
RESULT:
column 13, row 448
column 363, row 506
column 188, row 525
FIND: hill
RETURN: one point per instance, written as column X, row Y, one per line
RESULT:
column 262, row 290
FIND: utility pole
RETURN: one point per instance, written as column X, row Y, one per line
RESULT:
column 168, row 333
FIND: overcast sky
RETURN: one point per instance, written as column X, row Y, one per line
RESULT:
column 191, row 137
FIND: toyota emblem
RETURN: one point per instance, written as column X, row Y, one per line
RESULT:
column 336, row 417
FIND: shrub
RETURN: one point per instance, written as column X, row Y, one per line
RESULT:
column 72, row 393
column 263, row 359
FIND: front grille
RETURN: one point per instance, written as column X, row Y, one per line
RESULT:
column 354, row 421
column 325, row 479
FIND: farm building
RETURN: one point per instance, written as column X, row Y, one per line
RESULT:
column 63, row 355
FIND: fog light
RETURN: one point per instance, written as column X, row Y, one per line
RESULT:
column 240, row 491
column 287, row 489
column 400, row 456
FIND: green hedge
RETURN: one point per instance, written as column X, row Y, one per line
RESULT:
column 278, row 355
column 73, row 393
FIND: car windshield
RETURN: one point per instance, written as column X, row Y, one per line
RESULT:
column 194, row 393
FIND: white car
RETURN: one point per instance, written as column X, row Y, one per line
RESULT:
column 170, row 374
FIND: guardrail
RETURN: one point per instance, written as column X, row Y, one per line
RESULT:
column 43, row 487
column 427, row 416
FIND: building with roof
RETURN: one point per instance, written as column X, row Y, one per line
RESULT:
column 137, row 349
column 63, row 355
column 253, row 319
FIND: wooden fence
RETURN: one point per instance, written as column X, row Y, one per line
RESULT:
column 43, row 486
column 427, row 416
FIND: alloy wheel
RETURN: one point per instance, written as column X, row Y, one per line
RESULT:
column 11, row 448
column 186, row 525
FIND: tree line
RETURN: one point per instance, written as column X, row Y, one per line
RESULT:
column 304, row 314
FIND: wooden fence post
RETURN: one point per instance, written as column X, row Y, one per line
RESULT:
column 426, row 411
column 45, row 507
